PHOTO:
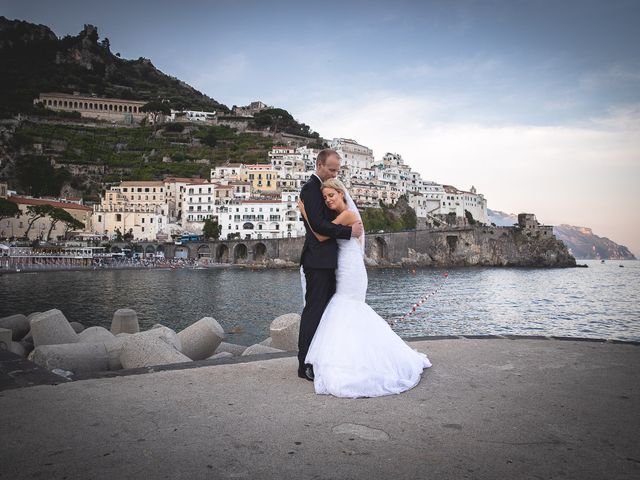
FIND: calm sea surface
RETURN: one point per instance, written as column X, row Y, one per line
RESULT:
column 600, row 301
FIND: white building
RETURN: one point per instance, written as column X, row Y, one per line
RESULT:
column 457, row 201
column 228, row 171
column 253, row 219
column 192, row 116
column 352, row 153
column 174, row 189
column 202, row 201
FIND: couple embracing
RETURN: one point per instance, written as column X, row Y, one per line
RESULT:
column 344, row 346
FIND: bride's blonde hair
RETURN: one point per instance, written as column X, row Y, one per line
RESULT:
column 336, row 184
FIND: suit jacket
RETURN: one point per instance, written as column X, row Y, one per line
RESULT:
column 317, row 254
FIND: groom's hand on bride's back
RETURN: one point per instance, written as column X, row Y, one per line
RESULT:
column 357, row 230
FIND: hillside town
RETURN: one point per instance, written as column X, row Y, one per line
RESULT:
column 246, row 201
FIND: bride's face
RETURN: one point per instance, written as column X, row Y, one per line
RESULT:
column 333, row 198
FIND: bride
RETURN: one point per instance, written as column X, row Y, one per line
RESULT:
column 354, row 352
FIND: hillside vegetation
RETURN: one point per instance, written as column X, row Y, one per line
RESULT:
column 93, row 155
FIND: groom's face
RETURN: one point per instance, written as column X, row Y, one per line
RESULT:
column 330, row 169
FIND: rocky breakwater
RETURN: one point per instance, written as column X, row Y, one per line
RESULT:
column 66, row 348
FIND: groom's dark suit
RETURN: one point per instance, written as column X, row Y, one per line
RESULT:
column 319, row 261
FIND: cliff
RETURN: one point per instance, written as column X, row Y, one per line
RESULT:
column 583, row 243
column 470, row 246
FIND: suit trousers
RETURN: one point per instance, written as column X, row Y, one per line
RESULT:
column 321, row 285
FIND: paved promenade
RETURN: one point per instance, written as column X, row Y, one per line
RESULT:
column 487, row 409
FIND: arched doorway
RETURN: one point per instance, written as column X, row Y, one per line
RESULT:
column 240, row 253
column 149, row 251
column 204, row 251
column 260, row 252
column 137, row 251
column 181, row 252
column 222, row 255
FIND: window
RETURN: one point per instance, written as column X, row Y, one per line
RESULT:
column 142, row 219
column 118, row 217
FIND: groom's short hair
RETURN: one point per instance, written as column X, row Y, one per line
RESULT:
column 321, row 159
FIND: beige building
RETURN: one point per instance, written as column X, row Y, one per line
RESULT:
column 17, row 227
column 138, row 207
column 109, row 109
column 262, row 177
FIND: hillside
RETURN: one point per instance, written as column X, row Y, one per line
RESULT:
column 34, row 60
column 57, row 153
column 49, row 158
column 581, row 241
column 584, row 244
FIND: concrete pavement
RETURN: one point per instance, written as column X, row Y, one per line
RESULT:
column 487, row 409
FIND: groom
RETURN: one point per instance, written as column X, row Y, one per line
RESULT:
column 319, row 259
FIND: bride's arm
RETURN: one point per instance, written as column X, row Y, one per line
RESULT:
column 346, row 218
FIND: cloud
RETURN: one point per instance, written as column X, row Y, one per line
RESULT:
column 583, row 175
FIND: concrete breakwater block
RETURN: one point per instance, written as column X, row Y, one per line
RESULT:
column 147, row 350
column 267, row 342
column 77, row 327
column 31, row 316
column 165, row 334
column 5, row 338
column 284, row 332
column 200, row 340
column 52, row 328
column 75, row 357
column 220, row 355
column 114, row 349
column 258, row 349
column 18, row 324
column 125, row 320
column 95, row 335
column 232, row 348
column 18, row 349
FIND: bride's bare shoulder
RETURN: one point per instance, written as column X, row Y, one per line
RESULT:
column 346, row 218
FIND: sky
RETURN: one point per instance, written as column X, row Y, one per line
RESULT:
column 535, row 103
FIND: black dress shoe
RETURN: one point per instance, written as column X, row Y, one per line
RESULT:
column 306, row 372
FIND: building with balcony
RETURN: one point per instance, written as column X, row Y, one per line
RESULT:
column 135, row 207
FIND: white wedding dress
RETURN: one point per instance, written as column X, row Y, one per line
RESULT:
column 354, row 352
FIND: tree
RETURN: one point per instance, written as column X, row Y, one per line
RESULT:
column 127, row 237
column 409, row 219
column 61, row 215
column 38, row 177
column 156, row 106
column 56, row 214
column 210, row 139
column 469, row 217
column 36, row 212
column 8, row 209
column 119, row 235
column 211, row 229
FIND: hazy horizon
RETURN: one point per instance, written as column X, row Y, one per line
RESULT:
column 536, row 104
